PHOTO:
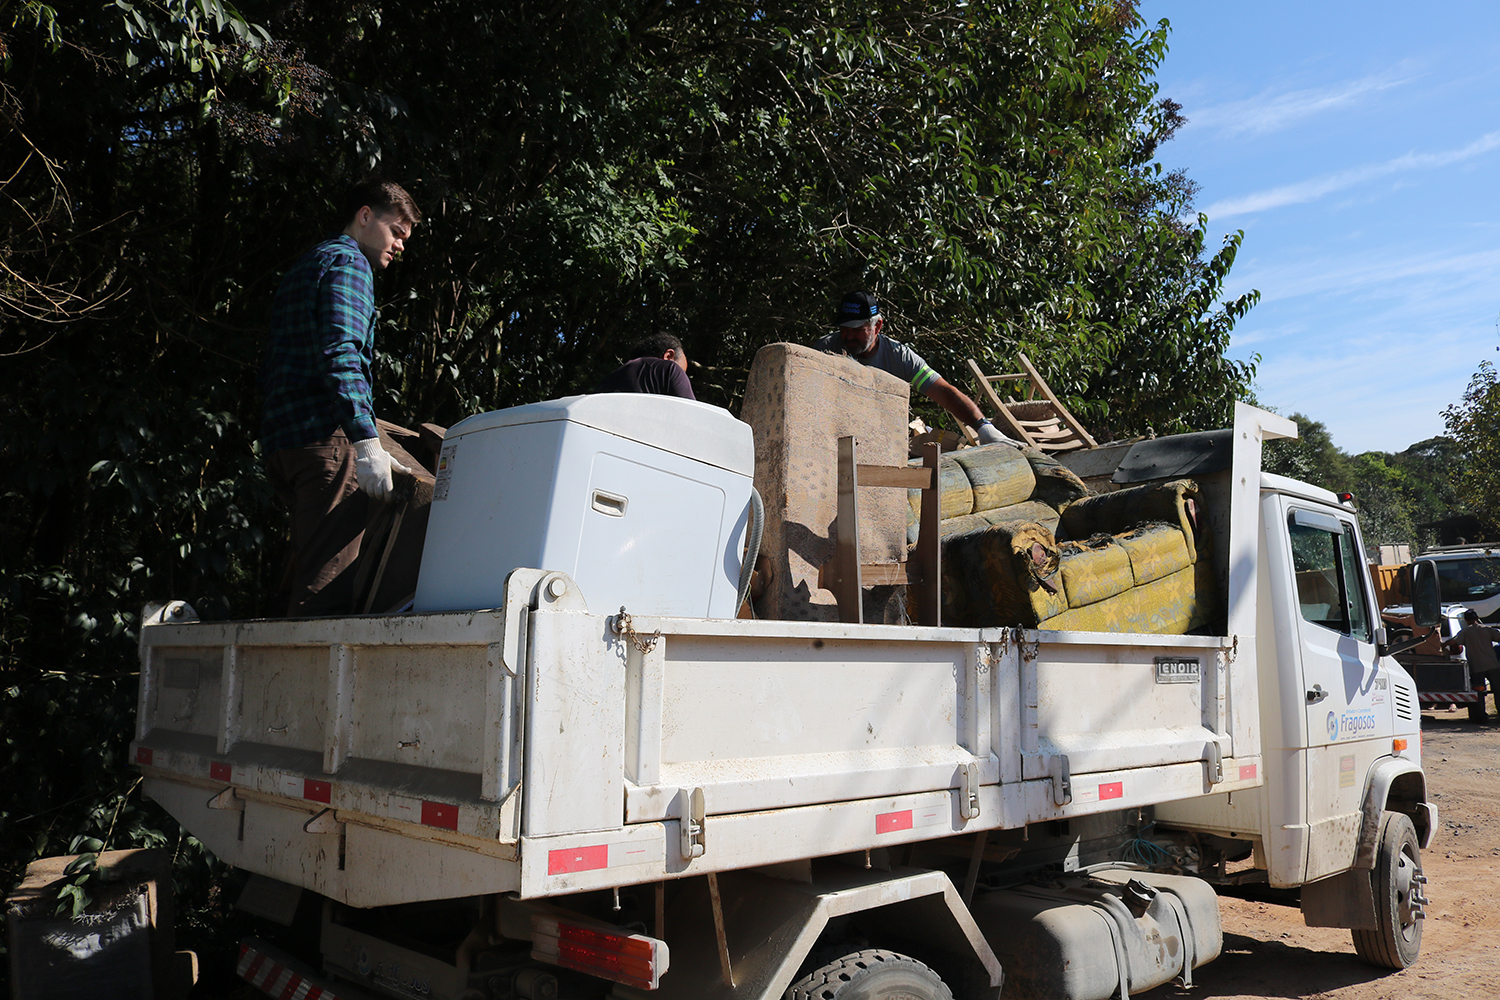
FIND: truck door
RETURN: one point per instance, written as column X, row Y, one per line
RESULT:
column 1346, row 693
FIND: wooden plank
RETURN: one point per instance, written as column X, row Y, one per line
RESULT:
column 847, row 583
column 927, row 594
column 882, row 574
column 904, row 476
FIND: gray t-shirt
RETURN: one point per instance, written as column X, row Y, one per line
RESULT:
column 1477, row 642
column 889, row 356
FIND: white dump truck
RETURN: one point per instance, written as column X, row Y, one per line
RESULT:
column 546, row 794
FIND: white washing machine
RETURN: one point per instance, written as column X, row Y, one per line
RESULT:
column 642, row 499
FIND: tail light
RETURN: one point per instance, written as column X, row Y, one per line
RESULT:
column 599, row 950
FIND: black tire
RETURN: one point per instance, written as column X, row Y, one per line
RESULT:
column 1477, row 711
column 1397, row 880
column 870, row 975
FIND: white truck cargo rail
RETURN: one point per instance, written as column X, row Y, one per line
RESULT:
column 401, row 738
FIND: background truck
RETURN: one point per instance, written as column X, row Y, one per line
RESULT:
column 549, row 798
column 1467, row 578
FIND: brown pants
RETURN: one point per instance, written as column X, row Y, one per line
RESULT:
column 317, row 485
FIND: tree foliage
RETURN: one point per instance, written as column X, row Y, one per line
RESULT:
column 1395, row 493
column 1474, row 424
column 589, row 172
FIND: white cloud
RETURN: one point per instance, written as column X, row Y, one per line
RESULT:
column 1399, row 272
column 1386, row 396
column 1317, row 187
column 1270, row 112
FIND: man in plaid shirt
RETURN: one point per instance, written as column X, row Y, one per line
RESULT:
column 322, row 450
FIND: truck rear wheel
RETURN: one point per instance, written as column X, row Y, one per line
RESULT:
column 1397, row 937
column 870, row 975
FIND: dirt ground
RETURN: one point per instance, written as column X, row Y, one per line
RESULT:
column 1268, row 952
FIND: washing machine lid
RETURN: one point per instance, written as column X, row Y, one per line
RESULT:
column 699, row 431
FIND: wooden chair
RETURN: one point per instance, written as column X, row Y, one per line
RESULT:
column 847, row 576
column 1038, row 418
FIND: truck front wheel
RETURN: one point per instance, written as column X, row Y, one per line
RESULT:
column 1398, row 881
column 870, row 975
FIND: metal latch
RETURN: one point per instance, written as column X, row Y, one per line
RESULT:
column 968, row 791
column 1062, row 780
column 1214, row 758
column 691, row 814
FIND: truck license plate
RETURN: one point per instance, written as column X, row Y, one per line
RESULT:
column 1178, row 670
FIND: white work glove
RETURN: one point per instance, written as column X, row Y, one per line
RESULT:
column 988, row 435
column 373, row 466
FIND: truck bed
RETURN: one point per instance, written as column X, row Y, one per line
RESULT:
column 536, row 749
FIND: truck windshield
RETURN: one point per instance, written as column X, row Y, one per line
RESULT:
column 1462, row 580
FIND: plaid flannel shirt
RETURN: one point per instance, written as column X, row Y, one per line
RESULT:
column 317, row 371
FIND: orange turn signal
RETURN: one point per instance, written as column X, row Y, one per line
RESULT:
column 1397, row 746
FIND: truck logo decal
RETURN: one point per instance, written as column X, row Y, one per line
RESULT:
column 1350, row 725
column 1178, row 670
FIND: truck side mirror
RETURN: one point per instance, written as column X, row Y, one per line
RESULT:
column 1425, row 606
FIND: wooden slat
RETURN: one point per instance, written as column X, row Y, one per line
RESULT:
column 847, row 584
column 1062, row 411
column 882, row 574
column 926, row 591
column 1002, row 412
column 903, row 476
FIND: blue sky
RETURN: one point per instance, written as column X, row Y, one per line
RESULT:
column 1358, row 147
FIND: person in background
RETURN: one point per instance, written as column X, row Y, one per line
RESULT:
column 657, row 364
column 859, row 336
column 1477, row 640
column 318, row 435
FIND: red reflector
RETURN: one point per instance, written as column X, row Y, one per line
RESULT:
column 611, row 953
column 578, row 859
column 1112, row 790
column 143, row 755
column 1247, row 772
column 219, row 771
column 440, row 814
column 587, row 937
column 317, row 791
column 893, row 821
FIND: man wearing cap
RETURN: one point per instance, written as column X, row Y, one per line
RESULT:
column 1477, row 641
column 859, row 321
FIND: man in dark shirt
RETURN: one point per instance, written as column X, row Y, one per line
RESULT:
column 657, row 364
column 317, row 435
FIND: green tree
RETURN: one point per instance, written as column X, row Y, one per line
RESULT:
column 1312, row 457
column 1430, row 469
column 1474, row 425
column 1394, row 492
column 589, row 173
